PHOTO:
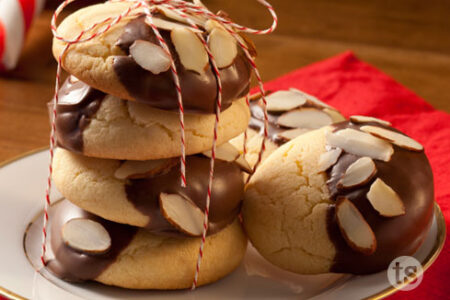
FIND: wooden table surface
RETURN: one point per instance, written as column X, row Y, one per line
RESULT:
column 407, row 39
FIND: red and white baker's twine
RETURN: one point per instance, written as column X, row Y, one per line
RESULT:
column 182, row 9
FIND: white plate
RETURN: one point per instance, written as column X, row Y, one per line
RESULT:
column 22, row 185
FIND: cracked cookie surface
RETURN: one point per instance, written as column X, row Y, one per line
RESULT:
column 132, row 130
column 285, row 207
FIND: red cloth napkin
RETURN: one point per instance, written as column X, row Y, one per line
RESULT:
column 355, row 87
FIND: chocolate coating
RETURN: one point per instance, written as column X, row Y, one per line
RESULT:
column 409, row 174
column 199, row 91
column 73, row 265
column 257, row 123
column 77, row 103
column 227, row 193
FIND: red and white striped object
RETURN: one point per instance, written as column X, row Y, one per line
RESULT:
column 15, row 19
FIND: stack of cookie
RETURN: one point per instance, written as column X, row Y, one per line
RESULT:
column 127, row 220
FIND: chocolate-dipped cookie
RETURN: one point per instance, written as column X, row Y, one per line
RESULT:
column 291, row 113
column 118, row 61
column 149, row 194
column 347, row 198
column 96, row 124
column 134, row 258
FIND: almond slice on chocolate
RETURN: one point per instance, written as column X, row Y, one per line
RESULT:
column 258, row 95
column 366, row 119
column 360, row 143
column 86, row 235
column 133, row 169
column 190, row 49
column 243, row 164
column 211, row 24
column 328, row 159
column 354, row 228
column 255, row 96
column 335, row 115
column 358, row 173
column 225, row 152
column 284, row 101
column 291, row 134
column 312, row 99
column 174, row 16
column 385, row 200
column 396, row 138
column 150, row 57
column 182, row 213
column 310, row 118
column 169, row 26
column 223, row 47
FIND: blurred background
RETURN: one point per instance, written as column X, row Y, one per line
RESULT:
column 407, row 39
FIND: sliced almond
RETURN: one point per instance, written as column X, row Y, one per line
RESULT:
column 328, row 159
column 385, row 200
column 190, row 49
column 132, row 169
column 284, row 101
column 396, row 138
column 360, row 143
column 243, row 164
column 86, row 235
column 255, row 96
column 258, row 95
column 225, row 152
column 291, row 134
column 211, row 24
column 150, row 57
column 310, row 118
column 182, row 213
column 354, row 228
column 335, row 115
column 223, row 47
column 312, row 99
column 358, row 173
column 169, row 26
column 366, row 119
column 174, row 16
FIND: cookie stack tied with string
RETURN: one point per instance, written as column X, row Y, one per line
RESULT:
column 139, row 134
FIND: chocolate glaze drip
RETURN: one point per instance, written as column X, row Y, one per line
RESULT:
column 409, row 174
column 199, row 91
column 77, row 103
column 72, row 265
column 273, row 129
column 227, row 192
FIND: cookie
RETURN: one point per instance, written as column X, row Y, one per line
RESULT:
column 347, row 198
column 290, row 113
column 114, row 63
column 100, row 125
column 130, row 192
column 135, row 258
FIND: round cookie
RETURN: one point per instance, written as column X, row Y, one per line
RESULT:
column 100, row 125
column 297, row 206
column 138, row 259
column 282, row 102
column 100, row 187
column 107, row 63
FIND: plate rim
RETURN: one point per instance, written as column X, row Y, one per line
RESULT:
column 429, row 260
